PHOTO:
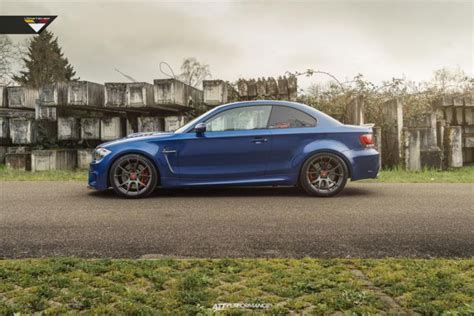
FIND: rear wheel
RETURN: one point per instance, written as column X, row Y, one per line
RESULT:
column 133, row 176
column 324, row 175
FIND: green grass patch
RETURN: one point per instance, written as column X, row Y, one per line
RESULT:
column 462, row 175
column 193, row 286
column 398, row 175
column 55, row 175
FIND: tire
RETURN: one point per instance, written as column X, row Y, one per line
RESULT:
column 323, row 175
column 133, row 176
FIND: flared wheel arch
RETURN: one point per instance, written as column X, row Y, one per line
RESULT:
column 326, row 151
column 152, row 160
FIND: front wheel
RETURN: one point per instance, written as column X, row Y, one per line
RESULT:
column 133, row 176
column 324, row 175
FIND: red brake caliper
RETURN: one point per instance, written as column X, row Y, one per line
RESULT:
column 144, row 177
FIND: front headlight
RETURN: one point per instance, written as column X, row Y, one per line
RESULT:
column 100, row 153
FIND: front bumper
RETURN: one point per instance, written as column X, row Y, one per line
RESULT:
column 98, row 175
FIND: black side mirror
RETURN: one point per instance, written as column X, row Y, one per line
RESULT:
column 200, row 128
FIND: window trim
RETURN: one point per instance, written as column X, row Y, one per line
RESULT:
column 316, row 121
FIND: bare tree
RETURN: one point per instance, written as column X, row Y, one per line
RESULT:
column 193, row 72
column 7, row 51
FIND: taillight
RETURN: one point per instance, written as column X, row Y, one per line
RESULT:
column 367, row 140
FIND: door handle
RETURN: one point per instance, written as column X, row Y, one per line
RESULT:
column 259, row 140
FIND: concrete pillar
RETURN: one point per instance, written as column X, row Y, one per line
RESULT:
column 3, row 152
column 440, row 126
column 172, row 123
column 261, row 88
column 90, row 128
column 4, row 130
column 272, row 87
column 378, row 142
column 283, row 88
column 18, row 158
column 150, row 124
column 68, row 128
column 453, row 146
column 252, row 88
column 53, row 159
column 84, row 158
column 22, row 131
column 412, row 149
column 215, row 92
column 243, row 89
column 392, row 133
column 3, row 97
column 292, row 88
column 110, row 128
column 355, row 111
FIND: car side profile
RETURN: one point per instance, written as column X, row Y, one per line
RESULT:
column 252, row 143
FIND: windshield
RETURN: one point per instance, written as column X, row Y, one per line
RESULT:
column 183, row 128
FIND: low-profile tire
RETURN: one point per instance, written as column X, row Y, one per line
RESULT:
column 323, row 175
column 133, row 176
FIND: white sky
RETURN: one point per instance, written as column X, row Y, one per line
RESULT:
column 380, row 39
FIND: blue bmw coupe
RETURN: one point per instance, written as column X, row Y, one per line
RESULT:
column 252, row 143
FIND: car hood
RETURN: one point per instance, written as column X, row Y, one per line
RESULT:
column 135, row 137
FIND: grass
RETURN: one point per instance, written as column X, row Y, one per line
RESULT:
column 193, row 286
column 462, row 175
column 397, row 175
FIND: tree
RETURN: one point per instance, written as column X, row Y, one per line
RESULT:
column 6, row 59
column 45, row 63
column 193, row 72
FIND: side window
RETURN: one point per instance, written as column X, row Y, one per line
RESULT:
column 286, row 117
column 244, row 118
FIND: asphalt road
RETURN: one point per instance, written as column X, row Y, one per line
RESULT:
column 366, row 220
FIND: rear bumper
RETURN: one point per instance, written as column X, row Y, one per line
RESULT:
column 365, row 164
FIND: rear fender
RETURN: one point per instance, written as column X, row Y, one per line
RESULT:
column 324, row 146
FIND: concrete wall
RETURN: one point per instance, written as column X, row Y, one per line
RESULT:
column 150, row 124
column 172, row 123
column 22, row 131
column 68, row 128
column 90, row 128
column 173, row 92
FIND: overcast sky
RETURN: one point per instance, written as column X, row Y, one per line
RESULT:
column 381, row 39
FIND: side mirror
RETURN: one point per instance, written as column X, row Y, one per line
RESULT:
column 200, row 128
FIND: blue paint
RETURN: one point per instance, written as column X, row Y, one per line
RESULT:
column 267, row 156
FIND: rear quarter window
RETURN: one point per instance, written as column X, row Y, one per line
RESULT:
column 286, row 117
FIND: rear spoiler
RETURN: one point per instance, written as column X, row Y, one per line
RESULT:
column 370, row 125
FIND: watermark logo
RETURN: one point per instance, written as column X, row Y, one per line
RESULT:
column 20, row 24
column 224, row 306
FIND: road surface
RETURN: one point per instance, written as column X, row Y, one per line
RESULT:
column 366, row 220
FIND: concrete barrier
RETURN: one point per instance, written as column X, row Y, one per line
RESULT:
column 18, row 158
column 110, row 128
column 53, row 159
column 150, row 124
column 172, row 123
column 21, row 97
column 453, row 146
column 173, row 92
column 90, row 128
column 22, row 131
column 85, row 93
column 84, row 158
column 412, row 149
column 135, row 94
column 68, row 128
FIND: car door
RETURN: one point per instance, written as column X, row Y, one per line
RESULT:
column 235, row 146
column 291, row 130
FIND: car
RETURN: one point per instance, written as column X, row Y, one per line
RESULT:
column 250, row 143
